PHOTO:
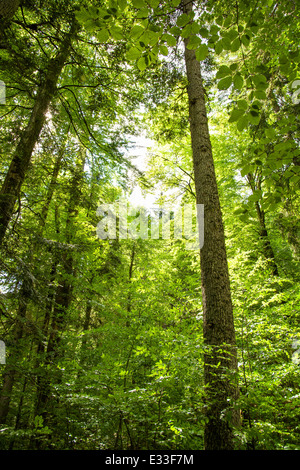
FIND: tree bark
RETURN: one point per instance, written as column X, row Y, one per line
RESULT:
column 10, row 372
column 11, row 367
column 220, row 361
column 263, row 233
column 264, row 237
column 8, row 8
column 11, row 188
column 63, row 296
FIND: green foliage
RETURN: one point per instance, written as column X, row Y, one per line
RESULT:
column 104, row 337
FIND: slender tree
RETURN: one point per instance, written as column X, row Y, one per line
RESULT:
column 254, row 182
column 17, row 171
column 63, row 295
column 25, row 295
column 220, row 366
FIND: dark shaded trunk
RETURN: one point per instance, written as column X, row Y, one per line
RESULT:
column 86, row 326
column 15, row 354
column 63, row 298
column 11, row 372
column 10, row 190
column 220, row 361
column 129, row 295
column 8, row 8
column 264, row 237
column 263, row 233
column 51, row 187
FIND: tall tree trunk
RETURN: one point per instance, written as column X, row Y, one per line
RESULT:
column 11, row 367
column 10, row 190
column 264, row 237
column 263, row 233
column 63, row 295
column 24, row 297
column 129, row 295
column 220, row 361
column 51, row 187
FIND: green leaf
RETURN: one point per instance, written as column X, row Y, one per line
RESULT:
column 243, row 104
column 259, row 78
column 103, row 35
column 228, row 20
column 82, row 15
column 183, row 20
column 225, row 83
column 163, row 50
column 295, row 179
column 270, row 133
column 138, row 4
column 235, row 45
column 218, row 47
column 214, row 29
column 254, row 27
column 204, row 32
column 245, row 39
column 254, row 117
column 202, row 52
column 194, row 42
column 149, row 38
column 136, row 31
column 155, row 28
column 122, row 4
column 213, row 40
column 186, row 31
column 94, row 12
column 175, row 30
column 256, row 105
column 153, row 3
column 238, row 81
column 113, row 9
column 232, row 34
column 153, row 38
column 143, row 13
column 91, row 25
column 244, row 217
column 240, row 210
column 282, row 146
column 260, row 94
column 236, row 114
column 226, row 43
column 170, row 40
column 242, row 123
column 141, row 63
column 223, row 71
column 245, row 170
column 195, row 27
column 260, row 81
column 133, row 54
column 116, row 32
column 257, row 194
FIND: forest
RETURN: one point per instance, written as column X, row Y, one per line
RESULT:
column 149, row 225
